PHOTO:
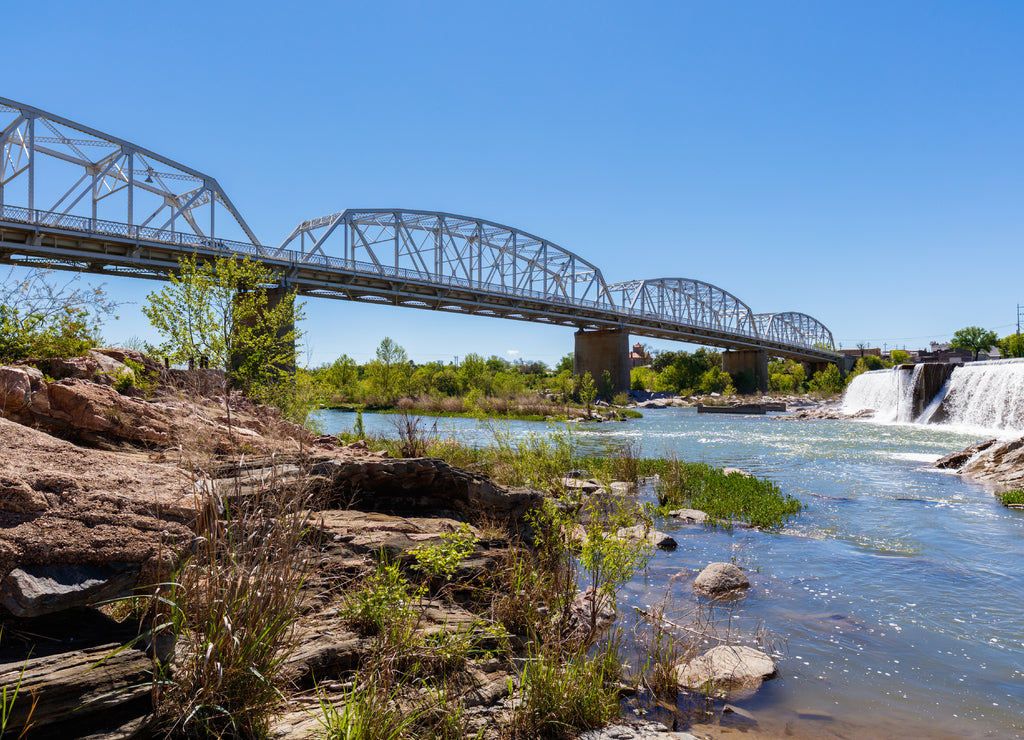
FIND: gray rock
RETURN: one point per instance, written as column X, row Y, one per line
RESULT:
column 640, row 533
column 726, row 668
column 694, row 516
column 34, row 590
column 719, row 578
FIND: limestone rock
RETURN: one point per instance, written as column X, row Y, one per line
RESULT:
column 726, row 668
column 719, row 578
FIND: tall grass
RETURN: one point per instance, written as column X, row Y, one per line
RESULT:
column 563, row 693
column 232, row 606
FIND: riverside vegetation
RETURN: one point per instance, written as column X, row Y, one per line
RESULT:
column 232, row 612
column 241, row 587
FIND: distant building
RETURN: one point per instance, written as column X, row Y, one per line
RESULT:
column 638, row 356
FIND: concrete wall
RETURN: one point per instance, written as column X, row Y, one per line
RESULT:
column 597, row 351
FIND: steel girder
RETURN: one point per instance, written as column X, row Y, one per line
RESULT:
column 57, row 172
column 448, row 249
column 687, row 301
column 791, row 327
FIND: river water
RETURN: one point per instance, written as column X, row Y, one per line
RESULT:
column 893, row 601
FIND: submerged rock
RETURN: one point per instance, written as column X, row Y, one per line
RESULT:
column 726, row 668
column 720, row 578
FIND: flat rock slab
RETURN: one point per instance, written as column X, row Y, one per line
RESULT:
column 77, row 671
column 720, row 578
column 726, row 668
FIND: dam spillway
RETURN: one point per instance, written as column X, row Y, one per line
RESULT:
column 977, row 395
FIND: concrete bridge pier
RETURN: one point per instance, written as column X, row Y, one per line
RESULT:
column 754, row 361
column 286, row 333
column 605, row 349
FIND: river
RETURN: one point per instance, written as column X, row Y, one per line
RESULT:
column 893, row 600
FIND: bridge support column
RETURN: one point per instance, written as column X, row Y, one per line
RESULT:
column 598, row 351
column 285, row 335
column 754, row 361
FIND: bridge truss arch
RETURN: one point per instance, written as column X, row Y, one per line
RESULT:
column 65, row 175
column 449, row 250
column 794, row 328
column 687, row 301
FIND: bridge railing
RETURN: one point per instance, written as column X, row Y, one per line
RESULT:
column 295, row 258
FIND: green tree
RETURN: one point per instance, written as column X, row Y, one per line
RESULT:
column 222, row 311
column 389, row 372
column 829, row 380
column 716, row 380
column 974, row 338
column 565, row 363
column 341, row 375
column 588, row 390
column 1012, row 345
column 43, row 318
column 473, row 373
column 899, row 356
column 642, row 378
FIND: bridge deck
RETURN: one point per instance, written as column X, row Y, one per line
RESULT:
column 105, row 247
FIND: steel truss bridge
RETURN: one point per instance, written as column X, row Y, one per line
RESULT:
column 75, row 198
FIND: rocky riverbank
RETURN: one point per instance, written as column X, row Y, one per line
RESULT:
column 1000, row 463
column 116, row 471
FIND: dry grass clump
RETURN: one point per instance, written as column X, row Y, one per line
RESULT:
column 231, row 606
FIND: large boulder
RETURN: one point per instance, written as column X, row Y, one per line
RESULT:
column 719, row 578
column 82, row 405
column 726, row 668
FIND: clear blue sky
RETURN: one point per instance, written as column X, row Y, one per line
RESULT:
column 862, row 162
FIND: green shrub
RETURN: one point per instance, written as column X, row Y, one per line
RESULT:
column 1012, row 498
column 383, row 600
column 443, row 559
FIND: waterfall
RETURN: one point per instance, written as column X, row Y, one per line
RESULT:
column 978, row 395
column 986, row 395
column 878, row 390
